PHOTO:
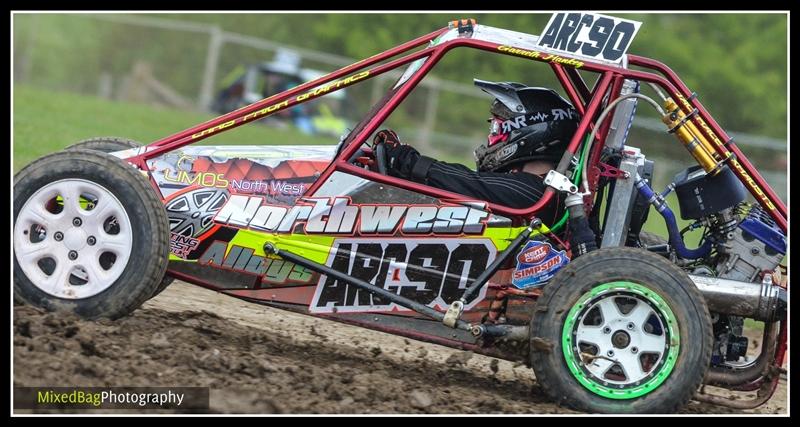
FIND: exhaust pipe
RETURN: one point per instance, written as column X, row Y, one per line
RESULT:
column 759, row 301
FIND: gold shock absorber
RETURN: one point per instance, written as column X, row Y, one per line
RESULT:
column 691, row 137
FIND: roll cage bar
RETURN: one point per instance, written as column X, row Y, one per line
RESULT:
column 588, row 102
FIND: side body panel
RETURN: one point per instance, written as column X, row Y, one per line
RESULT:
column 225, row 203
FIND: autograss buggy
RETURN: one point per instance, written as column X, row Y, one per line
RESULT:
column 638, row 325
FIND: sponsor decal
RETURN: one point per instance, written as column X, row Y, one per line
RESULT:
column 537, row 263
column 284, row 179
column 183, row 174
column 191, row 213
column 590, row 35
column 273, row 188
column 431, row 271
column 181, row 245
column 203, row 179
column 218, row 180
column 531, row 119
column 310, row 94
column 243, row 259
column 507, row 151
column 337, row 215
column 549, row 57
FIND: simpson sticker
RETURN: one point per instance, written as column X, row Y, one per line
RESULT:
column 537, row 263
column 590, row 35
column 339, row 215
column 431, row 271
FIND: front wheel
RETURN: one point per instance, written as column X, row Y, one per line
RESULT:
column 110, row 144
column 621, row 330
column 90, row 235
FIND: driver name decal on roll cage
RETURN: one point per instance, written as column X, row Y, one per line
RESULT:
column 273, row 108
column 338, row 215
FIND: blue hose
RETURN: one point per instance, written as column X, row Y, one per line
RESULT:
column 675, row 239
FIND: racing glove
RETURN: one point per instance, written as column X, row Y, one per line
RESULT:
column 400, row 158
column 386, row 136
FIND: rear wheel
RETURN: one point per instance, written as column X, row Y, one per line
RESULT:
column 105, row 144
column 625, row 331
column 90, row 235
column 110, row 144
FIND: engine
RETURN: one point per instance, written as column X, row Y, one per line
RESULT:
column 747, row 246
column 755, row 246
column 746, row 242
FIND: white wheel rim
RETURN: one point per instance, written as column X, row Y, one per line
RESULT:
column 636, row 343
column 99, row 241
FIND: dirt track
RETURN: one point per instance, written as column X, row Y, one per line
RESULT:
column 257, row 359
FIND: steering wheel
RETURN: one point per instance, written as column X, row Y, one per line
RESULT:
column 380, row 158
column 377, row 153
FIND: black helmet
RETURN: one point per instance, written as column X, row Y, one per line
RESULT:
column 528, row 123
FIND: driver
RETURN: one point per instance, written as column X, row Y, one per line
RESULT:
column 530, row 129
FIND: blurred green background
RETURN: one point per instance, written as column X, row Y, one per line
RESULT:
column 145, row 76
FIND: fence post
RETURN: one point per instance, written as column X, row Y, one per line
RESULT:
column 27, row 57
column 212, row 62
column 104, row 85
column 431, row 108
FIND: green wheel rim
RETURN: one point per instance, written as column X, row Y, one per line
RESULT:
column 664, row 366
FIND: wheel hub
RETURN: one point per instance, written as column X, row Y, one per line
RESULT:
column 620, row 339
column 75, row 239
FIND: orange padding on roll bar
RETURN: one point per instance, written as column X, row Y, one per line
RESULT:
column 464, row 22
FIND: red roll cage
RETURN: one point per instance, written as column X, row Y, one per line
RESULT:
column 588, row 102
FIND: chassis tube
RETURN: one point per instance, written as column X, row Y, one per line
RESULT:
column 569, row 86
column 591, row 111
column 579, row 83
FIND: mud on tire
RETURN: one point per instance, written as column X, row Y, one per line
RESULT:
column 110, row 144
column 70, row 184
column 592, row 292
